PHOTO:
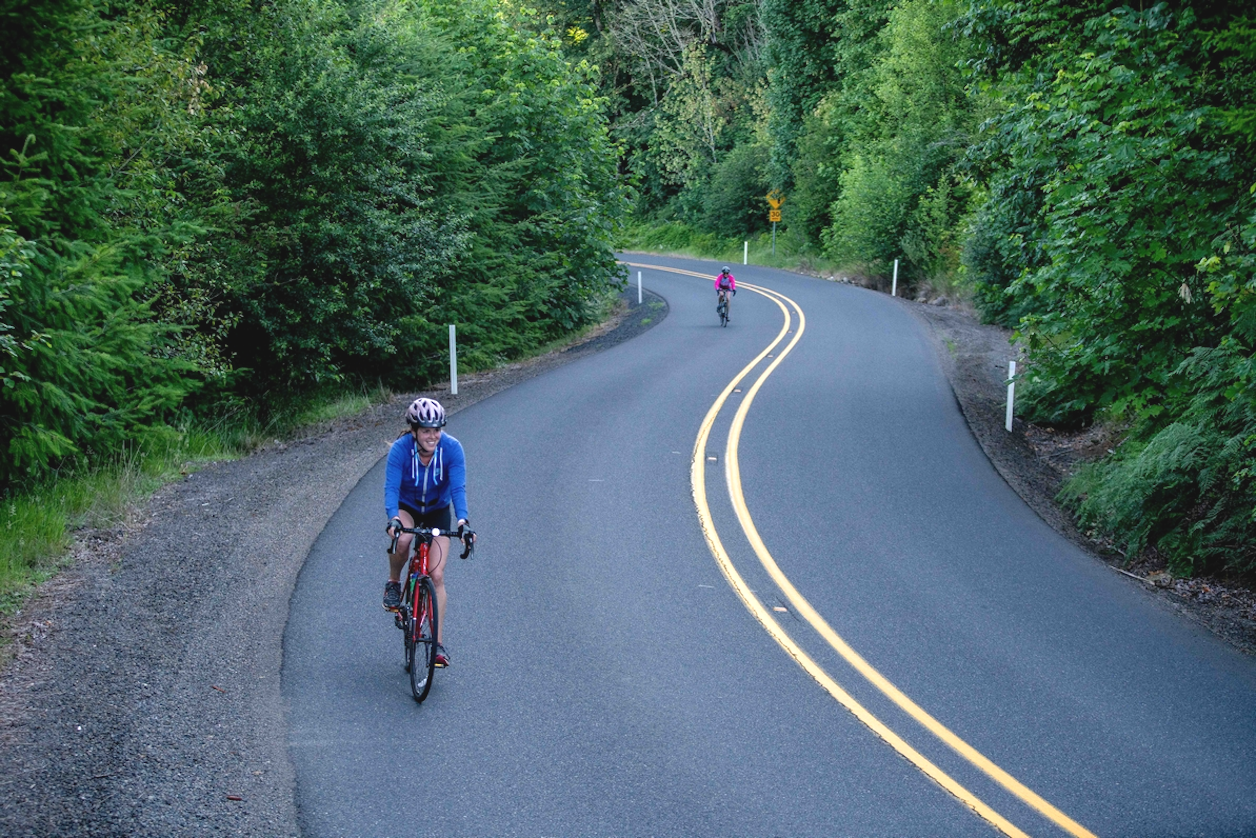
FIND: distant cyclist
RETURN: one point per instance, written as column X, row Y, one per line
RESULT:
column 427, row 471
column 724, row 283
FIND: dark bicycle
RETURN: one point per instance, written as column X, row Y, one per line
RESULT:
column 722, row 308
column 417, row 617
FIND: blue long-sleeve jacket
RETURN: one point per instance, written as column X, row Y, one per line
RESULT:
column 430, row 487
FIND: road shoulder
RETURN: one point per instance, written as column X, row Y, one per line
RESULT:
column 143, row 696
column 1036, row 461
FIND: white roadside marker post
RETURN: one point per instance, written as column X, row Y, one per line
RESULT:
column 453, row 361
column 894, row 287
column 638, row 287
column 745, row 253
column 1011, row 393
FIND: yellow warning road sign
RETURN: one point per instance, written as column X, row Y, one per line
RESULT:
column 775, row 198
column 774, row 215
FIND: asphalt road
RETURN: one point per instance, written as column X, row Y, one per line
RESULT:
column 930, row 659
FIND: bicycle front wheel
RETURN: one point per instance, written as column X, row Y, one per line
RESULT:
column 421, row 645
column 403, row 622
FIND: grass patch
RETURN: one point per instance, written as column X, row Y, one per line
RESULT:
column 33, row 535
column 791, row 252
column 338, row 406
column 37, row 522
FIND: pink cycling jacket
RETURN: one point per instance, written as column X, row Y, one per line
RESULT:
column 732, row 282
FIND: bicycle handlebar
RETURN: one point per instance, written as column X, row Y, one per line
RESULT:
column 433, row 532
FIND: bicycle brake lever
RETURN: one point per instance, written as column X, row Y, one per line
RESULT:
column 395, row 525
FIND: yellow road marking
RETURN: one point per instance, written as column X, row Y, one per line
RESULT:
column 806, row 610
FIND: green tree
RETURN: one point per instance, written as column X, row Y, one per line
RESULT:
column 329, row 158
column 684, row 82
column 801, row 38
column 898, row 192
column 542, row 199
column 91, row 106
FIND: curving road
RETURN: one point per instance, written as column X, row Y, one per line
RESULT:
column 757, row 581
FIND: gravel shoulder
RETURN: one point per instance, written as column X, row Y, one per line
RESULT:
column 142, row 697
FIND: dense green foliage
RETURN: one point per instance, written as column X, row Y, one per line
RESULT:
column 1082, row 170
column 235, row 201
column 84, row 227
column 688, row 93
column 1117, row 240
column 219, row 203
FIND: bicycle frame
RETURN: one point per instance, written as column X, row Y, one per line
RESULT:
column 419, row 617
column 418, row 567
column 417, row 572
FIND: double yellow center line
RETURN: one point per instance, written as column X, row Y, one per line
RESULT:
column 805, row 610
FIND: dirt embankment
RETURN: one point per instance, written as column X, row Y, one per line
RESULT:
column 1036, row 461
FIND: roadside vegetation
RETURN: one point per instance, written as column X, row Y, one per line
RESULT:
column 212, row 211
column 40, row 520
column 1082, row 173
column 790, row 251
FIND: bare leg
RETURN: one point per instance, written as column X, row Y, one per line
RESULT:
column 436, row 556
column 397, row 560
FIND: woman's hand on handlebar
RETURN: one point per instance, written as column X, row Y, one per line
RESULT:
column 467, row 536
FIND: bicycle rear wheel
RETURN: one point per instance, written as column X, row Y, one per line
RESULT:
column 421, row 639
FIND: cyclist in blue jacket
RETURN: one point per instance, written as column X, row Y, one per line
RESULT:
column 426, row 473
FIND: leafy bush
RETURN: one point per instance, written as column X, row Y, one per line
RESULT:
column 1003, row 241
column 1128, row 258
column 542, row 199
column 1134, row 188
column 330, row 155
column 814, row 174
column 1188, row 488
column 868, row 217
column 734, row 201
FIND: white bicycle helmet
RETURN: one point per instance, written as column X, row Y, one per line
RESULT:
column 425, row 413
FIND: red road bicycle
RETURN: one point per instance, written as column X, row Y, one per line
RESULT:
column 417, row 617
